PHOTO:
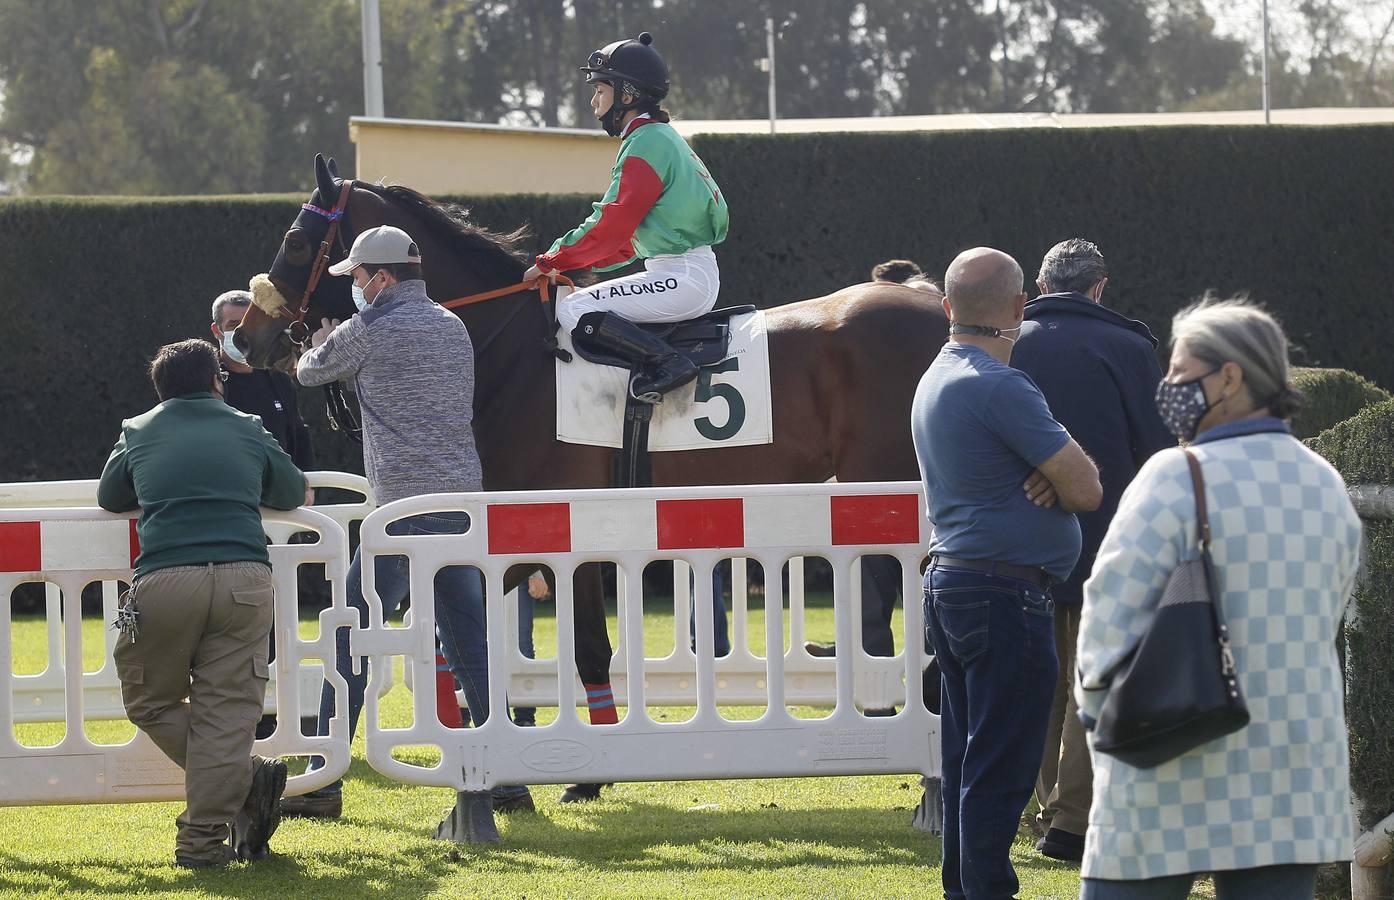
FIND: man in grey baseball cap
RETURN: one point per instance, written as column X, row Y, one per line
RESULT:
column 418, row 438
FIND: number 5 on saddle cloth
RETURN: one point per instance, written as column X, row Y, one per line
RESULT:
column 730, row 349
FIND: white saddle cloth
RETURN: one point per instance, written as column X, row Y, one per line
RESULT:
column 727, row 406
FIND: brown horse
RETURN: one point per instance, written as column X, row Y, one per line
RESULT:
column 843, row 369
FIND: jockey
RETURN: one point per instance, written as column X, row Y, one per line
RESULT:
column 662, row 207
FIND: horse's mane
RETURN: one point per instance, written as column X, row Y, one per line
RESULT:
column 450, row 224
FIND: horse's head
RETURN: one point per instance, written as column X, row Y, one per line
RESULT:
column 289, row 301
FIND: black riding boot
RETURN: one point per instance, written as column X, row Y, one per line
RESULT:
column 662, row 368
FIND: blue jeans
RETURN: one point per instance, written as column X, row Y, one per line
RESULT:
column 994, row 638
column 459, row 604
column 721, row 635
column 1263, row 883
column 880, row 588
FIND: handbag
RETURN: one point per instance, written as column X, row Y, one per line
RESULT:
column 1178, row 689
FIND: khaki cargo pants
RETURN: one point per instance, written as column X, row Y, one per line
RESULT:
column 1065, row 785
column 202, row 638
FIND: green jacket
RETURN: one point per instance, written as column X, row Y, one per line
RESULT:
column 198, row 470
column 661, row 201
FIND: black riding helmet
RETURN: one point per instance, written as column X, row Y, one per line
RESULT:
column 628, row 64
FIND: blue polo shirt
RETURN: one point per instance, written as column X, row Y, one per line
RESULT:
column 980, row 429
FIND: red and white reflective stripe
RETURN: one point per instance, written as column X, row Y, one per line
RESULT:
column 751, row 522
column 61, row 545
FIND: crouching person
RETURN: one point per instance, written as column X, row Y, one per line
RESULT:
column 192, row 654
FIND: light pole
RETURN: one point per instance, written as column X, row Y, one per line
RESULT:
column 1267, row 112
column 769, row 51
column 372, row 60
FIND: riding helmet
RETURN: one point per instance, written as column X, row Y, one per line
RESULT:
column 632, row 61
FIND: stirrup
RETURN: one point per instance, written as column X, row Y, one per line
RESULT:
column 653, row 397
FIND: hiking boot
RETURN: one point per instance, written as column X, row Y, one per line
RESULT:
column 314, row 805
column 1059, row 844
column 222, row 857
column 261, row 811
column 662, row 367
column 511, row 803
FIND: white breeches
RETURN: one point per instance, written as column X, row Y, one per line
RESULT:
column 670, row 289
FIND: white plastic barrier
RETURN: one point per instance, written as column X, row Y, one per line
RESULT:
column 72, row 547
column 770, row 524
column 740, row 675
column 39, row 698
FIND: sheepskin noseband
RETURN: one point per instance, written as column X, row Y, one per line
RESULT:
column 265, row 295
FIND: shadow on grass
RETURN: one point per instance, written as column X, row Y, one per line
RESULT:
column 341, row 873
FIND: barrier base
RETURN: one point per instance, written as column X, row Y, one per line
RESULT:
column 929, row 815
column 471, row 821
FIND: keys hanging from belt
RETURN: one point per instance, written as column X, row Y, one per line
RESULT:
column 128, row 617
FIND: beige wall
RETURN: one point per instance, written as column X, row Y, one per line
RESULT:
column 463, row 158
column 455, row 158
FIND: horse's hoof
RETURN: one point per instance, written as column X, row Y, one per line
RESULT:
column 581, row 793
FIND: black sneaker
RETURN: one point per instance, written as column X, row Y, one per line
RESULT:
column 261, row 811
column 314, row 805
column 1062, row 845
column 820, row 650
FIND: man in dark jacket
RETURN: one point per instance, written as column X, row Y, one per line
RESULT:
column 268, row 395
column 263, row 393
column 1099, row 373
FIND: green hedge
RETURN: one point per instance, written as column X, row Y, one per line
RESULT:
column 94, row 286
column 1330, row 396
column 1301, row 218
column 1361, row 449
column 1298, row 217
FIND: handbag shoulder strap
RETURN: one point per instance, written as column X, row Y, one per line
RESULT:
column 1212, row 588
column 1198, row 483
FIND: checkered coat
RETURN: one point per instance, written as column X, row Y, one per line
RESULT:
column 1285, row 541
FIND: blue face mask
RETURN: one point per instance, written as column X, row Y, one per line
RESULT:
column 358, row 299
column 230, row 349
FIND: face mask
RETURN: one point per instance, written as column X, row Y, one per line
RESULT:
column 231, row 350
column 1182, row 405
column 361, row 300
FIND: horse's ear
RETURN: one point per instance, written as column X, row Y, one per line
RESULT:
column 328, row 192
column 333, row 167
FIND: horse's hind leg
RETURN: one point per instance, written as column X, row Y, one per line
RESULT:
column 593, row 653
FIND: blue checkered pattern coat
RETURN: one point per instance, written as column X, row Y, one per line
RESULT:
column 1285, row 541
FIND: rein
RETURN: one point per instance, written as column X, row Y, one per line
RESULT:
column 335, row 215
column 540, row 285
column 543, row 296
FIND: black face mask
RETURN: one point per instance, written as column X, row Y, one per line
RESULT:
column 611, row 118
column 1183, row 404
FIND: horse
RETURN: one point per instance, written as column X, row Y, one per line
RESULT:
column 843, row 370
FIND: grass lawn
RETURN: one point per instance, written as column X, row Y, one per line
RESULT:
column 804, row 837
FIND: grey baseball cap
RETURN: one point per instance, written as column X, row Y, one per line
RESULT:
column 382, row 245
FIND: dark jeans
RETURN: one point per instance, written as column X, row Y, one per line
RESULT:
column 995, row 642
column 459, row 605
column 721, row 634
column 1265, row 883
column 880, row 588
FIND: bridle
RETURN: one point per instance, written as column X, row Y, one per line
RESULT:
column 298, row 331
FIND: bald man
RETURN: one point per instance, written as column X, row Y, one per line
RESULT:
column 1002, row 481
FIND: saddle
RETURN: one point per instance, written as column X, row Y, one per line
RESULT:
column 704, row 340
